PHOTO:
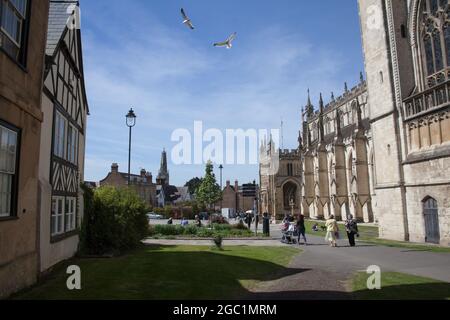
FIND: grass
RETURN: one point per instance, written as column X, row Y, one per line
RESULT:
column 365, row 232
column 369, row 234
column 399, row 286
column 169, row 272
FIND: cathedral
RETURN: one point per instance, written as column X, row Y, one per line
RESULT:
column 380, row 151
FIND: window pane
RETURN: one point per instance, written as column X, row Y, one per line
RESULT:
column 5, row 194
column 53, row 218
column 21, row 6
column 447, row 42
column 433, row 6
column 11, row 23
column 429, row 55
column 438, row 51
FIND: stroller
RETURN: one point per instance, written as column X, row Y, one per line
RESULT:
column 289, row 233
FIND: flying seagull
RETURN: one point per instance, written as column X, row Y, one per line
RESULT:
column 226, row 43
column 186, row 20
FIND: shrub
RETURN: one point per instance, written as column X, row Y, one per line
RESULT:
column 205, row 233
column 218, row 241
column 222, row 227
column 241, row 226
column 191, row 230
column 218, row 219
column 168, row 230
column 115, row 220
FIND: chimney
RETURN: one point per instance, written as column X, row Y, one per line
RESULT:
column 115, row 168
column 236, row 185
column 228, row 183
column 149, row 177
column 143, row 173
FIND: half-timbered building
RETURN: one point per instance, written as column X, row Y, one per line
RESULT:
column 65, row 109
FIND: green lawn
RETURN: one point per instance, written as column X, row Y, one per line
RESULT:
column 365, row 232
column 399, row 286
column 170, row 272
column 369, row 234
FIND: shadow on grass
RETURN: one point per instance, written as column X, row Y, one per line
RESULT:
column 160, row 272
column 425, row 291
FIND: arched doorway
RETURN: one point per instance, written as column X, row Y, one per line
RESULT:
column 289, row 194
column 431, row 218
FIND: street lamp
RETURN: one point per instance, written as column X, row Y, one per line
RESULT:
column 131, row 122
column 221, row 187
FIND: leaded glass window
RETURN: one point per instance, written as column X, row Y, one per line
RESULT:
column 435, row 35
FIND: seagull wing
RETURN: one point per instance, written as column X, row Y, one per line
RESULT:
column 183, row 14
column 231, row 38
column 221, row 44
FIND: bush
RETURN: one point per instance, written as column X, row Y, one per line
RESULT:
column 241, row 226
column 222, row 227
column 218, row 219
column 115, row 220
column 218, row 241
column 168, row 230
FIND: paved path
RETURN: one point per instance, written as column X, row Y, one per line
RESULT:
column 324, row 271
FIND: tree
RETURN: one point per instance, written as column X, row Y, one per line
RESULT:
column 193, row 185
column 208, row 193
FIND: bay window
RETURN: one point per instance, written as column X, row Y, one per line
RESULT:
column 72, row 144
column 65, row 145
column 59, row 143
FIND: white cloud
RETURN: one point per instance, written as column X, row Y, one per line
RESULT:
column 171, row 81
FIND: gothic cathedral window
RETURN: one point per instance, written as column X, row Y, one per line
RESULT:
column 435, row 35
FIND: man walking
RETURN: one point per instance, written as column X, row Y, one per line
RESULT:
column 351, row 226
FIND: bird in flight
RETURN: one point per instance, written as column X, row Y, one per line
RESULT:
column 186, row 20
column 228, row 43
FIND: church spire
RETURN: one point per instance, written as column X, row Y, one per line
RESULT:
column 163, row 175
column 321, row 126
column 309, row 108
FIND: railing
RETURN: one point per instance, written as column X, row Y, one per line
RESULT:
column 427, row 101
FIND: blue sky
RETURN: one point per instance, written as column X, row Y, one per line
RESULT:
column 137, row 53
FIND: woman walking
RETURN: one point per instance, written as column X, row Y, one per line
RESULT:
column 332, row 231
column 301, row 229
column 351, row 227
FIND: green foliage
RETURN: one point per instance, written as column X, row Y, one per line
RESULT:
column 168, row 211
column 208, row 193
column 193, row 185
column 115, row 220
column 222, row 230
column 218, row 241
column 222, row 227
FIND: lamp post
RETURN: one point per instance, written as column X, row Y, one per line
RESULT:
column 131, row 122
column 221, row 188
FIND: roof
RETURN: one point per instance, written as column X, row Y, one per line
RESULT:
column 57, row 22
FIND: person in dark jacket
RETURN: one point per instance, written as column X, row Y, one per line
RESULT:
column 301, row 229
column 351, row 226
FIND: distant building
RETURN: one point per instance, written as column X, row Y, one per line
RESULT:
column 142, row 183
column 166, row 194
column 233, row 198
column 184, row 195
